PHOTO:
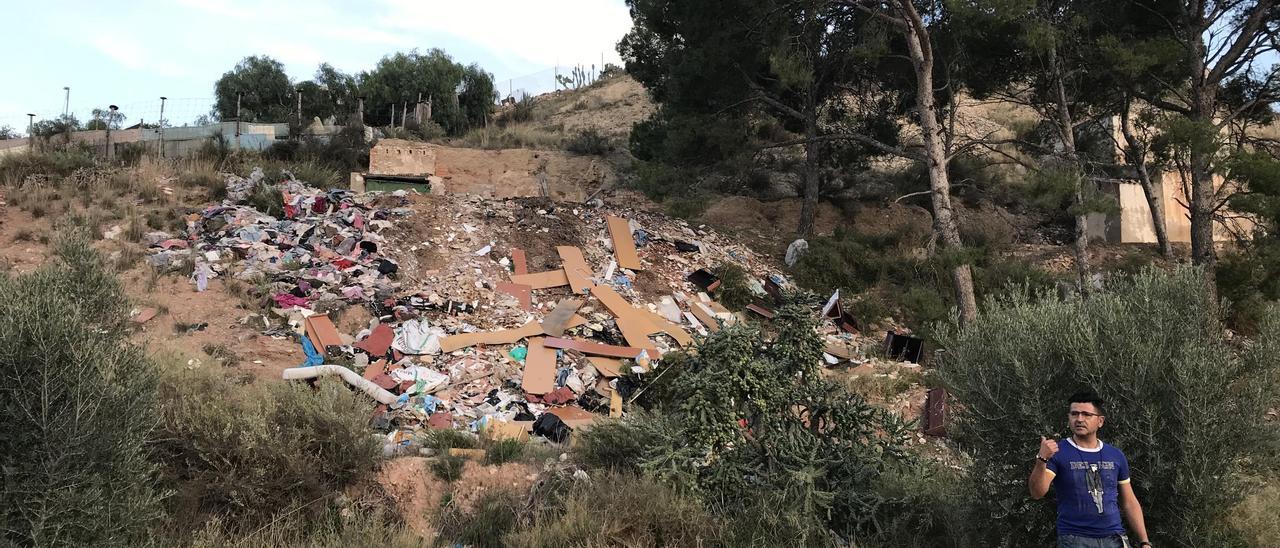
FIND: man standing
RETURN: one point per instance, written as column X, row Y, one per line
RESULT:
column 1091, row 481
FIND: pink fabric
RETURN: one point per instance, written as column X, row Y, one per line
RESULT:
column 286, row 300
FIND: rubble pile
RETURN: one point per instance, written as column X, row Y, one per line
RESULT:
column 496, row 316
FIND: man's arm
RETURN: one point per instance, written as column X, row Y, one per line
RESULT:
column 1132, row 511
column 1039, row 481
column 1041, row 475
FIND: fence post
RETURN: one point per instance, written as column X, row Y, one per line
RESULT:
column 161, row 125
column 111, row 153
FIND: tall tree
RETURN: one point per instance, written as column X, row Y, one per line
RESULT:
column 262, row 88
column 461, row 97
column 330, row 92
column 830, row 69
column 1222, row 47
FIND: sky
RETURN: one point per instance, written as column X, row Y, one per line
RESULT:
column 132, row 53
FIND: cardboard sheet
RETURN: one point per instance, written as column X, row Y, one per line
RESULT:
column 556, row 322
column 575, row 268
column 521, row 292
column 705, row 315
column 608, row 367
column 595, row 349
column 539, row 368
column 322, row 332
column 542, row 280
column 573, row 416
column 624, row 247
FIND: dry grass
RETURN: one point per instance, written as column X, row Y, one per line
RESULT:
column 512, row 136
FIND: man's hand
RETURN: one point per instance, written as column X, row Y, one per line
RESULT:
column 1048, row 448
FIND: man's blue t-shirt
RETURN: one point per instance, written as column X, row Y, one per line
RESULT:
column 1087, row 484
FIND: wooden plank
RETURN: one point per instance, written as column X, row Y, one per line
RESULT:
column 608, row 367
column 615, row 404
column 681, row 336
column 624, row 247
column 322, row 332
column 705, row 315
column 635, row 330
column 575, row 268
column 519, row 262
column 595, row 349
column 504, row 336
column 542, row 280
column 558, row 320
column 539, row 368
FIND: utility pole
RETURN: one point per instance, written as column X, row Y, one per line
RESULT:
column 360, row 108
column 404, row 108
column 238, row 121
column 161, row 124
column 31, row 132
column 66, row 102
column 299, row 90
column 111, row 153
column 393, row 115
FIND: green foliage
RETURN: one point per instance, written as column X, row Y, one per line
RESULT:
column 77, row 404
column 735, row 285
column 267, row 198
column 62, row 125
column 15, row 168
column 521, row 112
column 512, row 136
column 503, row 451
column 588, row 141
column 264, row 91
column 332, row 528
column 487, row 525
column 1187, row 407
column 7, row 132
column 399, row 78
column 744, row 419
column 250, row 453
column 1250, row 276
column 618, row 510
column 448, row 468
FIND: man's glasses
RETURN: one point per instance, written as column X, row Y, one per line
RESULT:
column 1085, row 414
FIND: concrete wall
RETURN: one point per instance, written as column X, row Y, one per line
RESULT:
column 400, row 157
column 1132, row 224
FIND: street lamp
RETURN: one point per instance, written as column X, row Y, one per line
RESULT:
column 31, row 132
column 162, row 100
column 66, row 103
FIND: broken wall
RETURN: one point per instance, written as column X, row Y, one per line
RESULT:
column 507, row 173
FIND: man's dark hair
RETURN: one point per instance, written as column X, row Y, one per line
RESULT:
column 1088, row 396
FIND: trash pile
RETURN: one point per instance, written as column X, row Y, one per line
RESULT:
column 466, row 330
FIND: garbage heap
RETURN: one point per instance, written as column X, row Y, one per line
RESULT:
column 477, row 338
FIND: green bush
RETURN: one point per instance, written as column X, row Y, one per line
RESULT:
column 735, row 286
column 15, row 168
column 747, row 424
column 503, row 451
column 333, row 528
column 618, row 510
column 248, row 453
column 588, row 141
column 489, row 522
column 267, row 198
column 77, row 404
column 1186, row 406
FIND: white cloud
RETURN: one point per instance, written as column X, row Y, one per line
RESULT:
column 543, row 34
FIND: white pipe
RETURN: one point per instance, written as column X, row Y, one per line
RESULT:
column 347, row 375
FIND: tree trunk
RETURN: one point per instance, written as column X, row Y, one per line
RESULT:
column 1066, row 129
column 1202, row 109
column 1135, row 153
column 944, row 220
column 809, row 205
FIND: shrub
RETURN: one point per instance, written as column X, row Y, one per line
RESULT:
column 77, row 404
column 503, row 451
column 747, row 419
column 251, row 453
column 1187, row 408
column 513, row 136
column 267, row 198
column 735, row 286
column 588, row 141
column 618, row 510
column 448, row 468
column 15, row 168
column 486, row 525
